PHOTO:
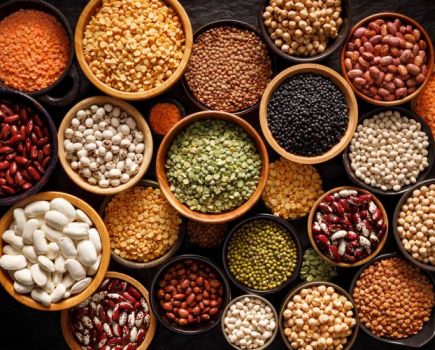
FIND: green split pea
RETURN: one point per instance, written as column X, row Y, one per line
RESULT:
column 314, row 268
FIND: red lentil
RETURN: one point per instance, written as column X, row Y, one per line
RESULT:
column 425, row 103
column 163, row 116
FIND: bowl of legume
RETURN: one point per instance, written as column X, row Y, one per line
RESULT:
column 308, row 113
column 206, row 236
column 212, row 166
column 262, row 254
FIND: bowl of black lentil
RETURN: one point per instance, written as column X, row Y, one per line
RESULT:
column 308, row 113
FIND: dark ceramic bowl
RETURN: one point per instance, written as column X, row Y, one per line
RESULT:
column 164, row 100
column 428, row 267
column 292, row 233
column 332, row 45
column 21, row 98
column 158, row 311
column 415, row 341
column 423, row 175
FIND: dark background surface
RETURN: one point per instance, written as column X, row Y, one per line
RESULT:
column 23, row 328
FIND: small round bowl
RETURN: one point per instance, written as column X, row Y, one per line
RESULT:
column 339, row 81
column 253, row 296
column 333, row 45
column 21, row 98
column 153, row 263
column 311, row 218
column 407, row 20
column 415, row 341
column 83, row 21
column 197, row 246
column 292, row 233
column 141, row 125
column 157, row 310
column 293, row 292
column 65, row 317
column 163, row 181
column 229, row 23
column 25, row 299
column 165, row 100
column 428, row 267
column 431, row 155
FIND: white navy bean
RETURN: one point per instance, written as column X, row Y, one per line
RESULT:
column 75, row 232
column 56, row 219
column 53, row 250
column 59, row 264
column 68, row 248
column 24, row 277
column 41, row 296
column 37, row 208
column 95, row 238
column 13, row 262
column 81, row 216
column 51, row 233
column 39, row 275
column 63, row 206
column 9, row 250
column 15, row 241
column 46, row 264
column 20, row 219
column 58, row 293
column 76, row 270
column 79, row 286
column 87, row 253
column 30, row 253
column 28, row 229
column 39, row 242
column 23, row 289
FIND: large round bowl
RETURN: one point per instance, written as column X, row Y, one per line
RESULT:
column 67, row 303
column 84, row 18
column 164, row 184
column 339, row 81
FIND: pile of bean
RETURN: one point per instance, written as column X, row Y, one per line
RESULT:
column 104, row 145
column 307, row 114
column 115, row 317
column 206, row 235
column 415, row 224
column 229, row 68
column 425, row 103
column 386, row 59
column 141, row 223
column 303, row 28
column 318, row 318
column 133, row 46
column 389, row 151
column 394, row 298
column 348, row 226
column 191, row 292
column 213, row 166
column 314, row 268
column 291, row 188
column 262, row 254
column 52, row 250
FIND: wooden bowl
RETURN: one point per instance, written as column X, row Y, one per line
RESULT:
column 83, row 21
column 405, row 253
column 293, row 292
column 415, row 341
column 407, row 20
column 339, row 81
column 65, row 317
column 311, row 217
column 253, row 296
column 163, row 181
column 25, row 299
column 141, row 125
column 424, row 174
column 153, row 263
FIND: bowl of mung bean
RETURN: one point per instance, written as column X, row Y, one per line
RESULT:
column 212, row 166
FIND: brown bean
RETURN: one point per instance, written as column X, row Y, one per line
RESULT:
column 359, row 81
column 179, row 296
column 183, row 322
column 199, row 281
column 385, row 61
column 413, row 69
column 354, row 73
column 167, row 306
column 196, row 310
column 185, row 284
column 214, row 311
column 191, row 299
column 402, row 70
column 391, row 28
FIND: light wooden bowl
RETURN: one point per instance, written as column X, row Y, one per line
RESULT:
column 141, row 125
column 164, row 184
column 84, row 19
column 25, row 299
column 65, row 318
column 314, row 244
column 339, row 81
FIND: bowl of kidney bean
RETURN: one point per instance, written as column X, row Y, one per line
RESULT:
column 348, row 226
column 189, row 294
column 116, row 317
column 28, row 146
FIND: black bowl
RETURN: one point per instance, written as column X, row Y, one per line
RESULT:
column 415, row 341
column 163, row 100
column 423, row 175
column 292, row 232
column 332, row 46
column 195, row 329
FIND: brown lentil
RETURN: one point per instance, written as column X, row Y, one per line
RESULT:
column 425, row 103
column 205, row 235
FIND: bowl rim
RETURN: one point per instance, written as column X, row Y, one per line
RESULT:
column 154, row 287
column 368, row 257
column 83, row 20
column 331, row 48
column 252, row 296
column 429, row 51
column 337, row 288
column 97, row 278
column 142, row 125
column 363, row 327
column 339, row 82
column 397, row 210
column 292, row 233
column 237, row 24
column 431, row 151
column 163, row 181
